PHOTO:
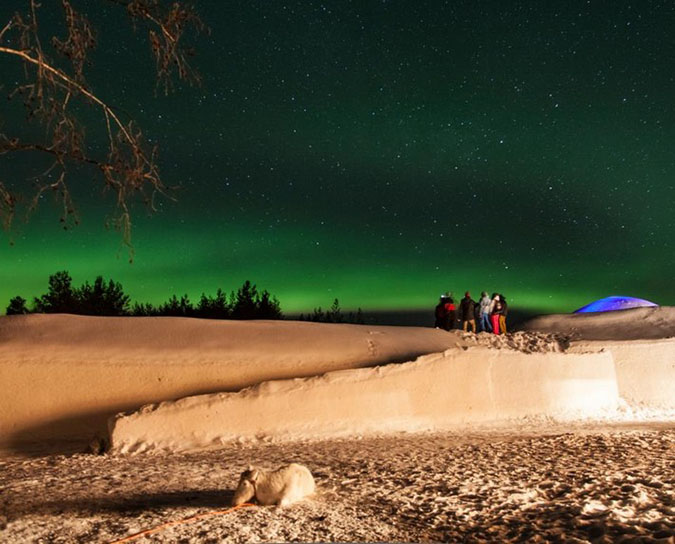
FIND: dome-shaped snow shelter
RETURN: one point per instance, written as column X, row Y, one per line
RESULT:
column 610, row 304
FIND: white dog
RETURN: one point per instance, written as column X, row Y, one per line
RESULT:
column 282, row 486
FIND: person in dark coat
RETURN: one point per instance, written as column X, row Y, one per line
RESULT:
column 467, row 312
column 441, row 314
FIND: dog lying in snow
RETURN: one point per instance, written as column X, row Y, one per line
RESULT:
column 282, row 486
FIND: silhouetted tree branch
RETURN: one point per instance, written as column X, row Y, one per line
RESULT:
column 165, row 33
column 128, row 165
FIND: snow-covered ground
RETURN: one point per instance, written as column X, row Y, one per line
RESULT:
column 574, row 484
column 563, row 432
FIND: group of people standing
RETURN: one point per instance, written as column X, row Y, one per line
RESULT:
column 486, row 315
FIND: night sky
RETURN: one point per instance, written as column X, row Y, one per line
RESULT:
column 383, row 153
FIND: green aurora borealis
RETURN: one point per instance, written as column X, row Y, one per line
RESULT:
column 384, row 152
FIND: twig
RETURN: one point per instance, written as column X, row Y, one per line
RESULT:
column 72, row 83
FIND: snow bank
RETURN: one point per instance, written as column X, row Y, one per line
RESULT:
column 442, row 390
column 645, row 371
column 634, row 324
column 63, row 376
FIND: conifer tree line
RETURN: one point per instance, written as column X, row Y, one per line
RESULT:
column 334, row 315
column 107, row 298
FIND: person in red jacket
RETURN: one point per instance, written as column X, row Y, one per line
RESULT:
column 496, row 308
column 450, row 311
column 445, row 313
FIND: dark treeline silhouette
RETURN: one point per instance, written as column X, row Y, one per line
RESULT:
column 334, row 315
column 108, row 299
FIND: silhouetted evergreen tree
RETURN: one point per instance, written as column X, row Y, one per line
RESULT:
column 359, row 318
column 143, row 310
column 219, row 305
column 334, row 315
column 102, row 298
column 186, row 307
column 170, row 307
column 245, row 306
column 213, row 307
column 268, row 307
column 17, row 305
column 203, row 308
column 60, row 297
column 90, row 297
column 318, row 315
column 177, row 307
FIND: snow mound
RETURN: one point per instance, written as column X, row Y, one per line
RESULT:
column 633, row 324
column 63, row 376
column 457, row 387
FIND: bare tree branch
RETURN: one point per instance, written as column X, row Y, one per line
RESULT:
column 129, row 166
column 71, row 84
column 5, row 29
column 166, row 47
column 7, row 205
column 80, row 39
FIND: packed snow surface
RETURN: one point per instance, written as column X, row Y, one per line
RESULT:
column 557, row 484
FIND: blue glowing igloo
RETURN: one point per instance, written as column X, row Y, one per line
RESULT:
column 610, row 304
